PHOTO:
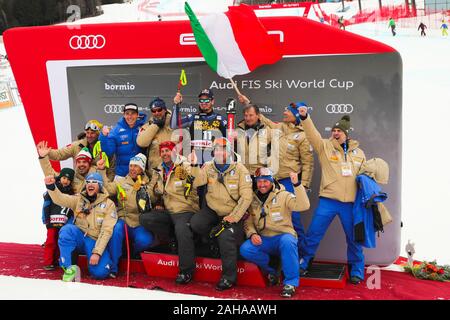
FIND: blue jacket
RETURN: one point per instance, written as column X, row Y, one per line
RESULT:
column 369, row 193
column 121, row 142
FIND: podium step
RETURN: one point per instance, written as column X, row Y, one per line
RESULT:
column 325, row 275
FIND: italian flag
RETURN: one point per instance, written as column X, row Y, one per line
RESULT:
column 234, row 42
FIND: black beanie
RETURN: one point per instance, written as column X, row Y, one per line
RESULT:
column 68, row 173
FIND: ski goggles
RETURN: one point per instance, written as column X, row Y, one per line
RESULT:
column 92, row 181
column 204, row 100
column 92, row 126
column 154, row 110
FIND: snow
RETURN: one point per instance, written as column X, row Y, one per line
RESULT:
column 58, row 290
column 425, row 174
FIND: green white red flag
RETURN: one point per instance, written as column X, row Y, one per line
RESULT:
column 233, row 42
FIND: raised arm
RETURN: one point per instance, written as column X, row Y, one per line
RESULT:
column 311, row 132
column 58, row 197
column 299, row 202
column 307, row 160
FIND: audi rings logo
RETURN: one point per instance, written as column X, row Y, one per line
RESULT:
column 339, row 108
column 87, row 42
column 113, row 108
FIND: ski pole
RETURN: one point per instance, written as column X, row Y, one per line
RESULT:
column 128, row 253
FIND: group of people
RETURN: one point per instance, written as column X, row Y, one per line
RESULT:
column 238, row 191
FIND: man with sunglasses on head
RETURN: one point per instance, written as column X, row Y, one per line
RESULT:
column 153, row 133
column 172, row 191
column 204, row 126
column 91, row 134
column 95, row 218
column 121, row 140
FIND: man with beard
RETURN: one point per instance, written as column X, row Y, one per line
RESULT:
column 95, row 218
column 154, row 132
column 270, row 231
column 204, row 126
column 126, row 189
column 83, row 166
column 91, row 133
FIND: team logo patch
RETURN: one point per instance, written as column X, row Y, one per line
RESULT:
column 232, row 172
column 248, row 178
column 114, row 214
column 102, row 205
column 355, row 151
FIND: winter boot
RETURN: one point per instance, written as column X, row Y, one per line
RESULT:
column 273, row 279
column 183, row 278
column 288, row 291
column 224, row 284
column 71, row 274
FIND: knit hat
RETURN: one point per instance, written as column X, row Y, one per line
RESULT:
column 264, row 174
column 293, row 108
column 68, row 173
column 343, row 124
column 95, row 177
column 157, row 103
column 139, row 160
column 84, row 154
column 93, row 125
column 167, row 144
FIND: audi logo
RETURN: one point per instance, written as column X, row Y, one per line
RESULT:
column 339, row 108
column 113, row 108
column 87, row 42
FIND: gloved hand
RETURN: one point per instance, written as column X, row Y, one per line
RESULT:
column 159, row 122
column 217, row 230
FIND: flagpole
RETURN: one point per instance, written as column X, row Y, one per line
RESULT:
column 235, row 87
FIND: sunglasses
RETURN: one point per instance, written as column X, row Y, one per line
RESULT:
column 154, row 110
column 91, row 181
column 92, row 126
column 204, row 100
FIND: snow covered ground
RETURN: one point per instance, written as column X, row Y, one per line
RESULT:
column 58, row 290
column 425, row 175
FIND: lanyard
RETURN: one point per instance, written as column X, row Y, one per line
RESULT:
column 345, row 150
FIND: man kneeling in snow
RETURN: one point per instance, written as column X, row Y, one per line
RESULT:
column 95, row 218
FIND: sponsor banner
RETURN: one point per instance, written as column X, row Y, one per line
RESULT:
column 206, row 269
column 6, row 99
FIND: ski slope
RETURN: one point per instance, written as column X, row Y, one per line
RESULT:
column 426, row 153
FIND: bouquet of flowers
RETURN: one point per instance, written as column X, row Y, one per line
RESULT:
column 429, row 271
